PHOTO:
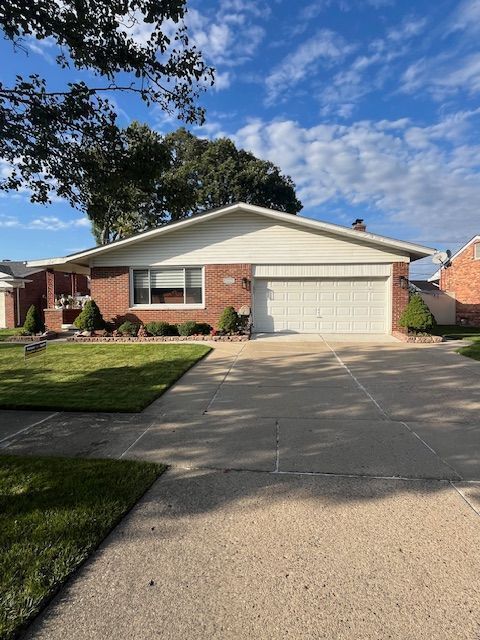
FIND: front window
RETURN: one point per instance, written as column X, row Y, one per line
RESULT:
column 476, row 250
column 173, row 286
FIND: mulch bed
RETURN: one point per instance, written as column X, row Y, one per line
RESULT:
column 239, row 338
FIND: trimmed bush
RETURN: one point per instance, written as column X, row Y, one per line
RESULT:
column 161, row 329
column 229, row 320
column 33, row 324
column 90, row 317
column 203, row 329
column 127, row 328
column 189, row 328
column 417, row 317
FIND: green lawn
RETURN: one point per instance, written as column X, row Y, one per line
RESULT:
column 7, row 333
column 455, row 332
column 472, row 350
column 93, row 377
column 54, row 513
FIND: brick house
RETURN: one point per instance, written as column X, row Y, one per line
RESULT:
column 21, row 286
column 461, row 280
column 295, row 273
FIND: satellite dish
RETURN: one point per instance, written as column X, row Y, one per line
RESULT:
column 441, row 257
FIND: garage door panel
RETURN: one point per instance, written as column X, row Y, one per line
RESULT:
column 321, row 305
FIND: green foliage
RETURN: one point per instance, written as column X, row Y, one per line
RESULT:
column 49, row 127
column 161, row 329
column 229, row 320
column 90, row 318
column 55, row 512
column 188, row 328
column 203, row 329
column 33, row 324
column 417, row 316
column 128, row 328
column 120, row 180
column 205, row 174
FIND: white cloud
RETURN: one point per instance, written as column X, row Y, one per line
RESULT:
column 442, row 77
column 378, row 166
column 466, row 17
column 43, row 223
column 325, row 47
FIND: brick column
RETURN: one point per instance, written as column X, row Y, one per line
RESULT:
column 399, row 296
column 50, row 281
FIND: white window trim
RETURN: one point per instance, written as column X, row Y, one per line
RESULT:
column 199, row 305
column 476, row 250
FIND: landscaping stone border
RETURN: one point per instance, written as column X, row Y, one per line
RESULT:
column 50, row 336
column 240, row 338
column 404, row 337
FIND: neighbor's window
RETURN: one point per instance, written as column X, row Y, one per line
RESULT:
column 476, row 251
column 178, row 285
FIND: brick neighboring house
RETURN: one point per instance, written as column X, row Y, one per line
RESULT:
column 21, row 286
column 295, row 273
column 461, row 280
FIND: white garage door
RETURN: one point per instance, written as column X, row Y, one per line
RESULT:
column 356, row 305
column 3, row 319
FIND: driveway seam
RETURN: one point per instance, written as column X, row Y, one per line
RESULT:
column 217, row 391
column 464, row 498
column 136, row 440
column 277, row 446
column 11, row 437
column 385, row 414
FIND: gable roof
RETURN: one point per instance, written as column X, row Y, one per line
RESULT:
column 436, row 275
column 416, row 251
column 15, row 269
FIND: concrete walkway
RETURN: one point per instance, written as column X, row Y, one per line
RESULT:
column 318, row 490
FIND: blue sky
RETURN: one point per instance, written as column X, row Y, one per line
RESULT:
column 372, row 106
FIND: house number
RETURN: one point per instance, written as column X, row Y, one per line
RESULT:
column 229, row 280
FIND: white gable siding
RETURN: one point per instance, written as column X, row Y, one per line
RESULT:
column 245, row 238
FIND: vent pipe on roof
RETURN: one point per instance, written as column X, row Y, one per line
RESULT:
column 359, row 225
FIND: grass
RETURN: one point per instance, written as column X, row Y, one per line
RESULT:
column 89, row 377
column 472, row 350
column 455, row 332
column 54, row 513
column 7, row 333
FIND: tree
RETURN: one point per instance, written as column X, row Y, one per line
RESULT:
column 137, row 47
column 416, row 315
column 136, row 180
column 205, row 174
column 118, row 182
column 33, row 323
column 90, row 318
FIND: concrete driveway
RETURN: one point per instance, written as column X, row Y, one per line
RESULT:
column 318, row 490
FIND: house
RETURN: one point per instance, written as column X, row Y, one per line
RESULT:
column 295, row 273
column 22, row 285
column 440, row 303
column 460, row 279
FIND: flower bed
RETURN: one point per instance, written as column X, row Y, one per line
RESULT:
column 197, row 338
column 419, row 339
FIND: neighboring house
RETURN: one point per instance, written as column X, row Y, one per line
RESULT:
column 22, row 285
column 297, row 274
column 441, row 304
column 460, row 279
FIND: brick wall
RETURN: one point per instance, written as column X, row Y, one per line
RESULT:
column 399, row 295
column 110, row 290
column 10, row 309
column 462, row 280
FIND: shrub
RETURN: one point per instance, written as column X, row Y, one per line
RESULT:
column 229, row 320
column 33, row 323
column 161, row 329
column 417, row 316
column 90, row 317
column 127, row 328
column 188, row 328
column 203, row 329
